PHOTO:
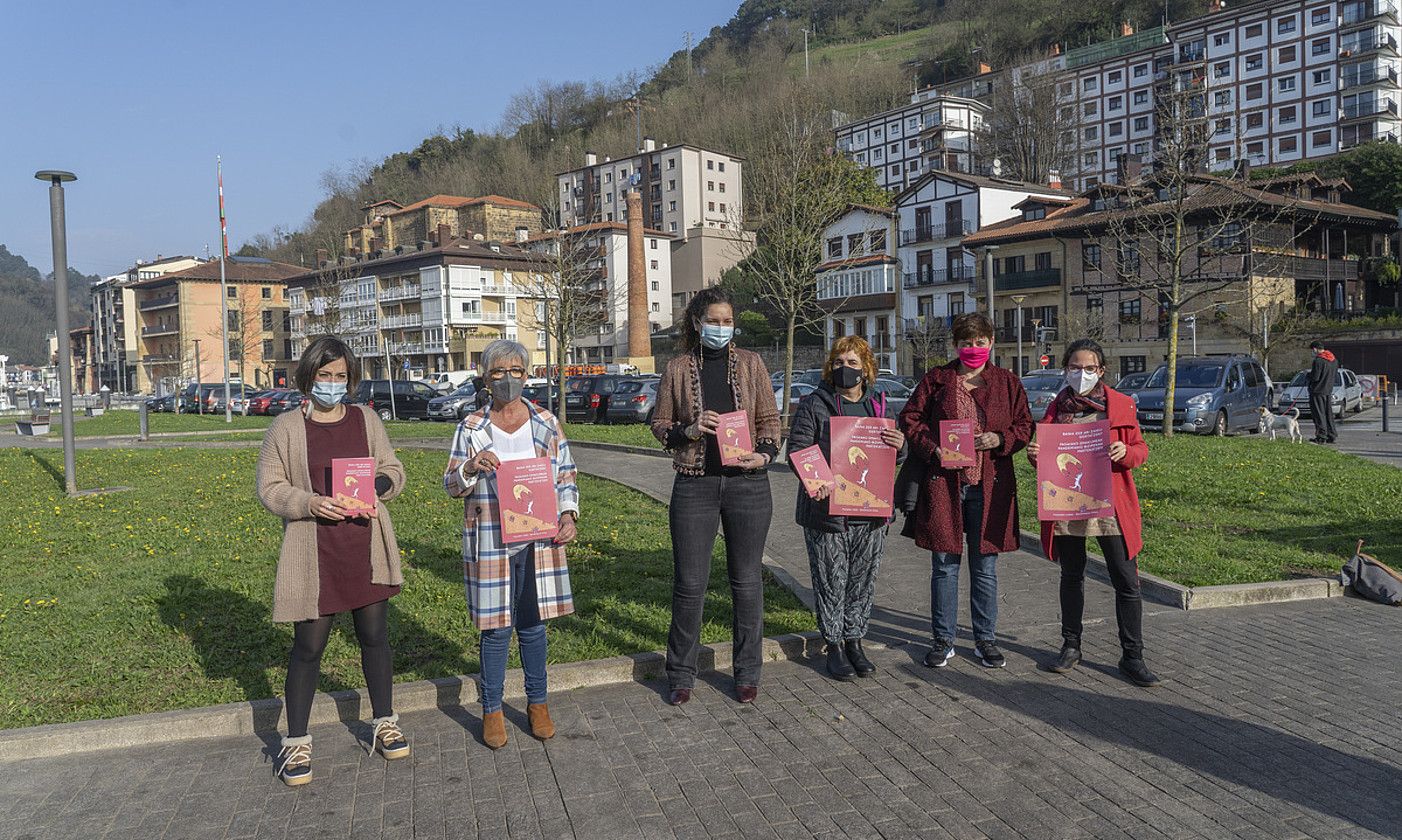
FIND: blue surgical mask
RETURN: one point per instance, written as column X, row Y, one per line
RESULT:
column 327, row 394
column 715, row 337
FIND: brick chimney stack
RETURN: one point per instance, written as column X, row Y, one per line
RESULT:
column 445, row 234
column 321, row 256
column 639, row 330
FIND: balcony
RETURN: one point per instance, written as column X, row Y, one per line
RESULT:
column 408, row 290
column 934, row 233
column 1370, row 75
column 159, row 329
column 1378, row 42
column 1010, row 281
column 397, row 321
column 158, row 359
column 1361, row 138
column 930, row 322
column 1314, row 268
column 1368, row 108
column 936, row 276
column 498, row 291
column 1357, row 14
column 159, row 302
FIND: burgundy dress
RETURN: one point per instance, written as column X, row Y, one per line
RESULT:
column 342, row 548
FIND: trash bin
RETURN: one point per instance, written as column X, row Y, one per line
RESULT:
column 104, row 397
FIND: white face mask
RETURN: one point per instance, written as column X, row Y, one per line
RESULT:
column 1082, row 381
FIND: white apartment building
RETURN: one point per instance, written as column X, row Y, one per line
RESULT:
column 1276, row 82
column 114, row 339
column 693, row 194
column 933, row 215
column 933, row 132
column 606, row 244
column 858, row 280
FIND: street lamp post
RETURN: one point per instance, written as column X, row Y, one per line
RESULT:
column 4, row 385
column 1037, row 337
column 805, row 53
column 58, row 224
column 988, row 278
column 199, row 378
column 1017, row 300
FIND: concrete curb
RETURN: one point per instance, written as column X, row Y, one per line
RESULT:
column 261, row 717
column 1172, row 594
column 622, row 449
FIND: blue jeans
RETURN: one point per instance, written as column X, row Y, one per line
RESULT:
column 983, row 578
column 530, row 636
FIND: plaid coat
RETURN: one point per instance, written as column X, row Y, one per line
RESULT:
column 486, row 560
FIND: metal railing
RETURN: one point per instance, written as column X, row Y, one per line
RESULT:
column 1354, row 13
column 934, row 232
column 1011, row 280
column 159, row 302
column 160, row 329
column 1368, row 108
column 1369, row 75
column 400, row 292
column 1363, row 46
column 936, row 276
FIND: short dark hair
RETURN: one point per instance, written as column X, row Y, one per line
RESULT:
column 1315, row 345
column 1083, row 344
column 696, row 310
column 969, row 326
column 321, row 353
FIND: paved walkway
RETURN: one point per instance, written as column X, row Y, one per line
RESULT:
column 1279, row 721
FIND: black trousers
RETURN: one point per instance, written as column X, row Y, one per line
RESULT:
column 304, row 667
column 1322, row 413
column 1124, row 576
column 742, row 507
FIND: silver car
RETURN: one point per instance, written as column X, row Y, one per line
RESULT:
column 1042, row 386
column 1347, row 396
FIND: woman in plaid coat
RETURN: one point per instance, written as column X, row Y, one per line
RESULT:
column 519, row 585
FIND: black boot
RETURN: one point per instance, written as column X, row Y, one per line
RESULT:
column 1067, row 659
column 838, row 666
column 858, row 658
column 1138, row 673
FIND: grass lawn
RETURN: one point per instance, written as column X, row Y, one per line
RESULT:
column 160, row 598
column 118, row 422
column 1244, row 509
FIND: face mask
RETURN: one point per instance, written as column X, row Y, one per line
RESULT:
column 974, row 357
column 846, row 377
column 715, row 337
column 327, row 394
column 508, row 388
column 1082, row 381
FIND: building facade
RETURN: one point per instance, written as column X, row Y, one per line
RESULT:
column 495, row 218
column 433, row 307
column 936, row 131
column 858, row 280
column 114, row 359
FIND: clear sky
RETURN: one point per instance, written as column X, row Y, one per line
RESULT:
column 138, row 97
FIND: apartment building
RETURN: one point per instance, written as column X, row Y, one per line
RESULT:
column 936, row 131
column 695, row 195
column 602, row 247
column 388, row 225
column 1296, row 245
column 178, row 331
column 434, row 306
column 1271, row 82
column 114, row 358
column 858, row 280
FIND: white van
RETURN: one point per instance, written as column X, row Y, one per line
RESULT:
column 445, row 382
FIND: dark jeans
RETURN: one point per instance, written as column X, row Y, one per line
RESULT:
column 742, row 507
column 1322, row 413
column 983, row 578
column 1124, row 576
column 304, row 666
column 530, row 637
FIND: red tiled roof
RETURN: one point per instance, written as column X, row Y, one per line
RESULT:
column 235, row 271
column 439, row 200
column 503, row 201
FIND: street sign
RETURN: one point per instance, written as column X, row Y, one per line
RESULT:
column 406, row 364
column 1046, row 360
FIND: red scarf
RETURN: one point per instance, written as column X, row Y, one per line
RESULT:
column 1070, row 404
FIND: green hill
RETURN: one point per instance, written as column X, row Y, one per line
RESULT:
column 27, row 308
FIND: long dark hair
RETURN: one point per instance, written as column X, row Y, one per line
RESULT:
column 1083, row 344
column 696, row 311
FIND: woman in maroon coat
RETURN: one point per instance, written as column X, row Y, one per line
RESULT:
column 977, row 504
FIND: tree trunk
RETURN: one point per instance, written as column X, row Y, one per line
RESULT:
column 788, row 374
column 1171, row 382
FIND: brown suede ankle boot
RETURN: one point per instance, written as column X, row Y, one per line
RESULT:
column 494, row 729
column 542, row 726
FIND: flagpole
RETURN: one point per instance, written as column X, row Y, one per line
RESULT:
column 224, row 289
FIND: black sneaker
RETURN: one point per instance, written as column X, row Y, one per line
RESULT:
column 295, row 761
column 940, row 654
column 989, row 655
column 1066, row 660
column 1138, row 673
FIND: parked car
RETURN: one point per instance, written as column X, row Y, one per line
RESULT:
column 1133, row 382
column 897, row 394
column 633, row 401
column 455, row 405
column 285, row 399
column 1347, row 396
column 164, row 404
column 1042, row 386
column 446, row 382
column 541, row 395
column 259, row 402
column 198, row 394
column 797, row 391
column 1213, row 395
column 587, row 397
column 238, row 396
column 410, row 401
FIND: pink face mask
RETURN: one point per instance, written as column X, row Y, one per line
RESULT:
column 974, row 357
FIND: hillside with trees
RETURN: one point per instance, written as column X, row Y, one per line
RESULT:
column 27, row 314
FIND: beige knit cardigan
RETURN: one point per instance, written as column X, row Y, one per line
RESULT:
column 285, row 489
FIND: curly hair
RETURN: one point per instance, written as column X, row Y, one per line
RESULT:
column 696, row 311
column 851, row 344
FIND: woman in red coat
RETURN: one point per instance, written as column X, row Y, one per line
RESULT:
column 1087, row 399
column 977, row 504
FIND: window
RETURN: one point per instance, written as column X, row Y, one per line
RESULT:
column 1256, row 148
column 1320, row 16
column 267, row 320
column 1141, row 97
column 652, row 244
column 268, row 350
column 1321, row 77
column 710, row 186
column 1286, row 84
column 1090, row 256
column 1253, row 62
column 1130, row 311
column 710, row 164
column 722, row 206
column 1133, row 364
column 1115, row 129
column 655, row 306
column 720, row 166
column 1089, row 159
column 1254, row 30
column 1092, row 133
column 1228, row 236
column 1285, row 55
column 1321, row 138
column 1034, row 212
column 835, row 247
column 720, row 187
column 1287, row 145
column 1285, row 26
column 1141, row 70
column 1254, row 91
column 876, row 134
column 711, row 206
column 652, row 264
column 894, row 149
column 671, row 207
column 1041, row 261
column 1221, row 69
column 672, row 164
column 1320, row 108
column 608, row 177
column 1141, row 123
column 671, row 227
column 671, row 185
column 854, row 244
column 1115, row 77
column 1222, row 154
column 1066, row 113
column 267, row 293
column 1222, row 97
column 1319, row 47
column 1088, row 109
column 1090, row 84
column 1287, row 115
column 1224, row 126
column 656, row 286
column 1116, row 103
column 1221, row 39
column 895, row 170
column 1255, row 120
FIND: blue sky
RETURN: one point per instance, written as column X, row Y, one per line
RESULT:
column 138, row 97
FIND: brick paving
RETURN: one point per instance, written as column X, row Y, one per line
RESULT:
column 1278, row 721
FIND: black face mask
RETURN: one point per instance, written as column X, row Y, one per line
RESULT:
column 846, row 377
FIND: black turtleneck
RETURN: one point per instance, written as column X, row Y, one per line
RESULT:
column 716, row 395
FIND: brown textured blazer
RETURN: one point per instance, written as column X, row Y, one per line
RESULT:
column 679, row 404
column 285, row 489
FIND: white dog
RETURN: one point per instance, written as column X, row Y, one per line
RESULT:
column 1288, row 422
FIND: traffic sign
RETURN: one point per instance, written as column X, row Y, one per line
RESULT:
column 1046, row 360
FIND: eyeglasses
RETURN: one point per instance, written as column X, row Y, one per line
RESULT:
column 1089, row 368
column 498, row 373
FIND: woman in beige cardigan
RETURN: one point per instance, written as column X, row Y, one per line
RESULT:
column 333, row 560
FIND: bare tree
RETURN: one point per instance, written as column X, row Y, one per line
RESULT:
column 1028, row 129
column 929, row 341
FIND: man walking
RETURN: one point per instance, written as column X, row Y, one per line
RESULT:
column 1323, row 372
